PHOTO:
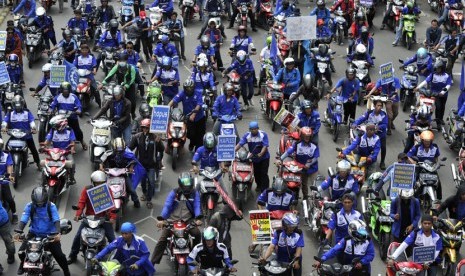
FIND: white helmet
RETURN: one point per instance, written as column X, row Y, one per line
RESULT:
column 406, row 194
column 201, row 63
column 40, row 11
column 343, row 165
column 98, row 177
column 361, row 49
column 211, row 20
column 424, row 110
column 288, row 60
column 46, row 67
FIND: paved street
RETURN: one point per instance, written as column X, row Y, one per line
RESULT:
column 146, row 219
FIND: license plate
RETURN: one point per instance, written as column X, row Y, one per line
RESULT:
column 208, row 184
column 16, row 143
column 54, row 164
column 427, row 100
column 322, row 65
column 101, row 131
column 411, row 77
column 244, row 168
column 290, row 177
column 385, row 219
column 356, row 172
column 181, row 251
column 178, row 124
column 427, row 176
column 127, row 11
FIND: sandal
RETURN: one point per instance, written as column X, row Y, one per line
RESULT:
column 143, row 198
column 149, row 205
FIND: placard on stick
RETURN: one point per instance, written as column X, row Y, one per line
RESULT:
column 100, row 198
column 260, row 226
column 159, row 119
column 402, row 178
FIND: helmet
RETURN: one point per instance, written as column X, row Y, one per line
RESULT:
column 40, row 11
column 117, row 90
column 305, row 131
column 1, row 144
column 289, row 61
column 268, row 40
column 421, row 53
column 164, row 39
column 439, row 64
column 320, row 22
column 323, row 49
column 113, row 24
column 39, row 196
column 13, row 58
column 242, row 28
column 410, row 4
column 65, row 226
column 361, row 49
column 308, row 81
column 128, row 227
column 350, row 71
column 144, row 110
column 253, row 125
column 166, row 62
column 406, row 194
column 278, row 186
column 305, row 104
column 142, row 15
column 118, row 144
column 209, row 140
column 59, row 122
column 65, row 86
column 46, row 67
column 210, row 233
column 211, row 20
column 188, row 86
column 320, row 3
column 360, row 16
column 122, row 66
column 427, row 135
column 241, row 56
column 18, row 103
column 357, row 230
column 98, row 177
column 423, row 112
column 202, row 63
column 343, row 165
column 228, row 86
column 145, row 123
column 205, row 41
column 186, row 182
column 290, row 220
column 66, row 33
column 374, row 177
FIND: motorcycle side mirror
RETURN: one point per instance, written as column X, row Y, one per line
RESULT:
column 444, row 159
column 407, row 121
column 373, row 57
column 234, row 262
column 74, row 207
column 32, row 89
column 314, row 188
column 401, row 61
column 254, row 255
column 338, row 149
column 331, row 172
column 160, row 218
column 318, row 259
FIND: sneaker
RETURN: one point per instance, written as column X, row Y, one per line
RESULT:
column 388, row 132
column 383, row 26
column 11, row 258
column 71, row 259
column 191, row 147
column 20, row 270
column 137, row 204
column 254, row 29
column 14, row 219
column 246, row 107
column 394, row 44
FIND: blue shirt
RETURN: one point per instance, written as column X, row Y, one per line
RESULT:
column 390, row 89
column 89, row 63
column 21, row 121
column 287, row 244
column 207, row 158
column 81, row 24
column 424, row 63
column 438, row 82
column 45, row 22
column 417, row 238
column 306, row 153
column 340, row 221
column 274, row 202
column 312, row 121
column 14, row 73
column 172, row 200
column 349, row 88
column 203, row 81
column 222, row 106
column 107, row 39
column 45, row 82
column 241, row 43
column 189, row 103
column 209, row 52
column 29, row 8
column 165, row 76
column 323, row 32
column 340, row 186
column 255, row 143
column 166, row 5
column 286, row 12
column 133, row 59
column 420, row 152
column 5, row 161
column 61, row 139
column 366, row 146
column 246, row 70
column 380, row 120
column 63, row 43
column 71, row 103
column 324, row 14
column 290, row 78
column 168, row 50
column 4, row 217
column 365, row 251
column 41, row 224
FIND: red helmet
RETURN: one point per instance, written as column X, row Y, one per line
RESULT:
column 145, row 123
column 305, row 131
column 320, row 22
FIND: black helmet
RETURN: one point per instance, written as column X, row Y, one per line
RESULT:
column 209, row 140
column 360, row 16
column 188, row 86
column 306, row 104
column 439, row 64
column 205, row 41
column 39, row 196
column 114, row 24
column 18, row 103
column 285, row 4
column 123, row 56
column 279, row 187
column 65, row 86
column 65, row 226
column 350, row 71
column 323, row 49
column 186, row 182
column 308, row 81
column 144, row 110
column 66, row 33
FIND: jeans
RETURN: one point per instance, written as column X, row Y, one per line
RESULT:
column 5, row 233
column 246, row 92
column 122, row 132
column 149, row 190
column 6, row 196
column 443, row 18
column 130, row 190
column 109, row 234
column 383, row 148
column 440, row 107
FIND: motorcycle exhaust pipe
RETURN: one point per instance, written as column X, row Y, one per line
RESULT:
column 304, row 206
column 362, row 201
column 454, row 172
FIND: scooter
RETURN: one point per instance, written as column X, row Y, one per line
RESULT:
column 83, row 89
column 322, row 65
column 242, row 177
column 44, row 113
column 395, row 13
column 362, row 74
column 209, row 97
column 176, row 135
column 188, row 10
column 427, row 97
column 408, row 30
column 34, row 44
column 126, row 13
column 17, row 147
column 451, row 232
column 291, row 172
column 273, row 102
column 227, row 124
column 109, row 57
column 213, row 271
column 341, row 22
column 114, row 267
column 402, row 265
column 108, row 91
column 434, row 5
column 334, row 114
column 208, row 194
column 407, row 84
column 427, row 183
column 243, row 14
column 153, row 95
column 455, row 132
column 99, row 140
column 117, row 184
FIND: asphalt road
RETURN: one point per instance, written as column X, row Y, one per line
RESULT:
column 145, row 219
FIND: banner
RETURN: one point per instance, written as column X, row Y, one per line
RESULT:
column 424, row 254
column 261, row 226
column 226, row 149
column 57, row 75
column 301, row 28
column 3, row 35
column 100, row 198
column 226, row 198
column 71, row 75
column 286, row 119
column 159, row 119
column 387, row 73
column 4, row 76
column 402, row 178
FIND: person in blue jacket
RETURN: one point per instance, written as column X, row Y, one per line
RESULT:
column 168, row 77
column 68, row 46
column 309, row 117
column 205, row 48
column 361, row 53
column 349, row 87
column 424, row 62
column 388, row 174
column 405, row 211
column 180, row 198
column 15, row 71
column 46, row 23
column 85, row 60
column 286, row 9
column 342, row 183
column 366, row 39
column 242, row 41
column 44, row 82
column 225, row 104
column 126, row 246
column 165, row 48
column 278, row 197
column 166, row 6
column 445, row 12
column 112, row 37
column 28, row 6
column 379, row 118
column 323, row 33
column 203, row 78
column 411, row 9
column 289, row 76
column 425, row 236
column 367, row 145
column 357, row 244
column 78, row 22
column 206, row 156
column 243, row 65
column 321, row 12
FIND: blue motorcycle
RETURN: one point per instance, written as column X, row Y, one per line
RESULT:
column 408, row 83
column 334, row 114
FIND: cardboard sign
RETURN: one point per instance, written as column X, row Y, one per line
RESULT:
column 301, row 28
column 424, row 254
column 261, row 226
column 286, row 119
column 57, row 75
column 402, row 178
column 387, row 73
column 226, row 147
column 159, row 119
column 4, row 76
column 366, row 3
column 3, row 35
column 100, row 198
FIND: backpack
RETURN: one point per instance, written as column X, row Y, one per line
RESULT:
column 49, row 211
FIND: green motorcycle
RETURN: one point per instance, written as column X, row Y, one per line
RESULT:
column 376, row 212
column 154, row 95
column 408, row 30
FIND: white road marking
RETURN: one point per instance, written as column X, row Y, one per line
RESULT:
column 64, row 202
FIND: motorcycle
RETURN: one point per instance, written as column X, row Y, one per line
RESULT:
column 208, row 194
column 291, row 173
column 454, row 20
column 9, row 91
column 17, row 147
column 274, row 99
column 361, row 73
column 284, row 46
column 455, row 132
column 408, row 30
column 214, row 271
column 108, row 91
column 334, row 114
column 109, row 57
column 427, row 183
column 117, row 184
column 176, row 135
column 265, row 17
column 208, row 98
column 434, row 5
column 153, row 95
column 322, row 65
column 100, row 29
column 99, row 140
column 242, row 16
column 288, row 138
column 341, row 22
column 188, row 9
column 34, row 44
column 216, row 16
column 458, row 175
column 272, row 266
column 114, row 267
column 335, row 268
column 402, row 265
column 416, row 133
column 427, row 97
column 83, row 90
column 44, row 113
column 78, row 36
column 394, row 14
column 126, row 13
column 227, row 124
column 407, row 84
column 460, row 271
column 234, row 78
column 56, row 58
column 451, row 232
column 242, row 177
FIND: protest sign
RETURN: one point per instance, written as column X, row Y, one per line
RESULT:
column 402, row 178
column 3, row 35
column 100, row 198
column 260, row 226
column 423, row 254
column 286, row 118
column 4, row 76
column 57, row 75
column 301, row 28
column 387, row 73
column 226, row 147
column 159, row 120
column 366, row 3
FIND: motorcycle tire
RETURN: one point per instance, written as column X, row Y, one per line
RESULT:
column 89, row 269
column 384, row 242
column 339, row 37
column 185, row 17
column 408, row 42
column 273, row 123
column 336, row 132
column 241, row 199
column 42, row 131
column 182, row 270
column 119, row 218
column 449, row 267
column 322, row 87
column 174, row 158
column 406, row 104
column 17, row 167
column 30, row 59
column 51, row 194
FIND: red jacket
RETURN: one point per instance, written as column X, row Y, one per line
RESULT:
column 84, row 202
column 346, row 7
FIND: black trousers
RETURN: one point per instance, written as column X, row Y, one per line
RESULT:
column 196, row 131
column 74, row 125
column 147, row 47
column 8, row 197
column 32, row 147
column 349, row 110
column 131, row 96
column 383, row 149
column 260, row 170
column 440, row 107
column 236, row 12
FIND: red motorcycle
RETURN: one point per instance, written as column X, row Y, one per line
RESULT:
column 176, row 135
column 284, row 46
column 265, row 18
column 242, row 177
column 47, row 4
column 460, row 268
column 83, row 90
column 291, row 172
column 320, row 211
column 274, row 99
column 234, row 78
column 459, row 174
column 287, row 140
column 455, row 18
column 402, row 266
column 180, row 244
column 55, row 172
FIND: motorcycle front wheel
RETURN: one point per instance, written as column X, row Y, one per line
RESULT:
column 449, row 267
column 30, row 59
column 273, row 123
column 174, row 158
column 182, row 270
column 89, row 268
column 17, row 168
column 335, row 132
column 384, row 242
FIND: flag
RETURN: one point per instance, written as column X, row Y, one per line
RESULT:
column 274, row 52
column 72, row 75
column 462, row 77
column 139, row 170
column 226, row 198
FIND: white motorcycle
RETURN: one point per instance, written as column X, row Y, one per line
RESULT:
column 99, row 140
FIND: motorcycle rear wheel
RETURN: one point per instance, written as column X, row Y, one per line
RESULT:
column 339, row 37
column 17, row 167
column 89, row 268
column 449, row 267
column 42, row 131
column 182, row 270
column 30, row 59
column 336, row 132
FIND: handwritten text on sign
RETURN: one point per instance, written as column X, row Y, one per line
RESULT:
column 100, row 198
column 387, row 73
column 424, row 254
column 301, row 28
column 57, row 75
column 261, row 226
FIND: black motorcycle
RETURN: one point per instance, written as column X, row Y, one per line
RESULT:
column 8, row 92
column 34, row 44
column 44, row 113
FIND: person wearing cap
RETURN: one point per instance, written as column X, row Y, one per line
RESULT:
column 425, row 236
column 258, row 144
column 455, row 204
column 368, row 145
column 175, row 25
column 405, row 211
column 127, row 246
column 28, row 6
column 388, row 174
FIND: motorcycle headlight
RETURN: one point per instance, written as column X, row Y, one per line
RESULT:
column 112, row 273
column 386, row 210
column 33, row 256
column 338, row 109
column 181, row 242
column 181, row 132
column 44, row 107
column 9, row 95
column 101, row 140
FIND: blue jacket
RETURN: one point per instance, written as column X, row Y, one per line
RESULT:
column 61, row 139
column 72, row 103
column 414, row 118
column 172, row 201
column 312, row 121
column 415, row 215
column 165, row 76
column 256, row 143
column 45, row 82
column 425, row 63
column 203, row 81
column 123, row 255
column 246, row 70
column 14, row 73
column 29, row 7
column 166, row 5
column 108, row 40
column 274, row 202
column 189, row 103
column 207, row 158
column 367, row 147
column 134, row 58
column 413, row 11
column 82, row 24
column 324, row 14
column 241, row 43
column 224, row 107
column 41, row 224
column 461, row 99
column 22, row 121
column 168, row 50
column 366, row 58
column 415, row 238
column 291, row 79
column 286, row 12
column 4, row 217
column 365, row 251
column 422, row 155
column 5, row 161
column 340, row 221
column 380, row 120
column 370, row 46
column 390, row 89
column 306, row 153
column 287, row 244
column 338, row 190
column 323, row 32
column 462, row 110
column 438, row 82
column 177, row 24
column 349, row 88
column 45, row 22
column 209, row 52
